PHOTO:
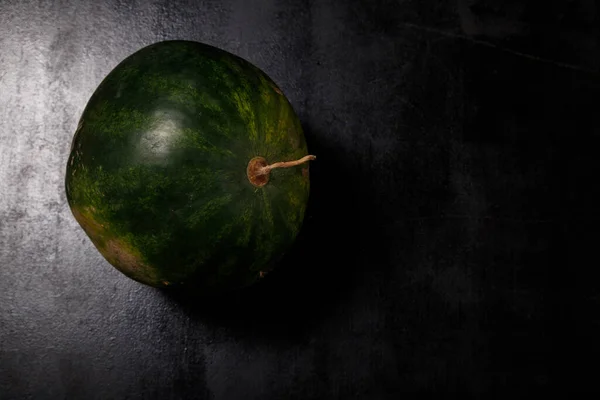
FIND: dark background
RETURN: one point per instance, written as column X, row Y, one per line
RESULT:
column 449, row 244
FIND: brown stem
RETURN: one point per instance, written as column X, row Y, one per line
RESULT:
column 258, row 170
column 285, row 164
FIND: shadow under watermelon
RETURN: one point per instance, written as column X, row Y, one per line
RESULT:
column 318, row 274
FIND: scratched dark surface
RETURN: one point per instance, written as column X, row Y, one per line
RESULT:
column 451, row 218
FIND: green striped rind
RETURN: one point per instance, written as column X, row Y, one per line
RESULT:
column 157, row 171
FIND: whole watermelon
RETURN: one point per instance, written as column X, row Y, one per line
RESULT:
column 189, row 167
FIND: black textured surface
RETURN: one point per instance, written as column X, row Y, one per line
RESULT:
column 444, row 248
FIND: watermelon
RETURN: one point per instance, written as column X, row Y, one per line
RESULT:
column 189, row 167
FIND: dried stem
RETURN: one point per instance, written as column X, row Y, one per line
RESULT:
column 285, row 164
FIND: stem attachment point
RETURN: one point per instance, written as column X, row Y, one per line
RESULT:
column 259, row 170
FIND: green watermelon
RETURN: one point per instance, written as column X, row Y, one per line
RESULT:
column 189, row 167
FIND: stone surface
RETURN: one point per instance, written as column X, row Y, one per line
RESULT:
column 455, row 173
